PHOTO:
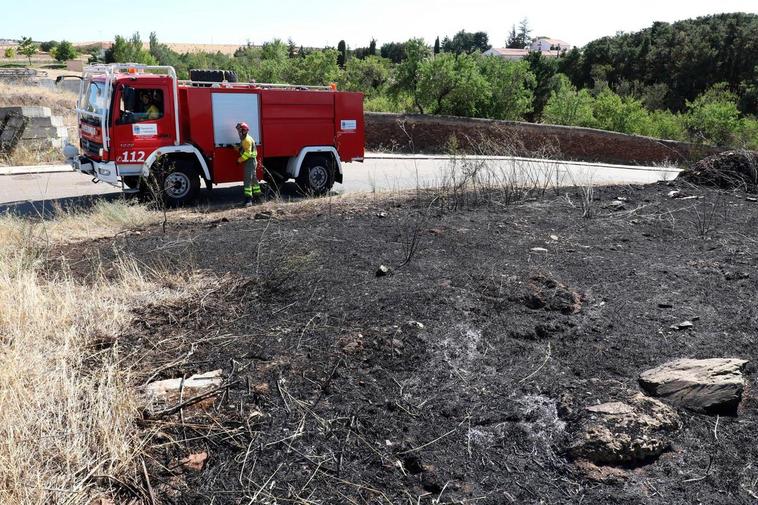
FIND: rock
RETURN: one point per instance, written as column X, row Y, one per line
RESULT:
column 262, row 389
column 630, row 432
column 382, row 271
column 751, row 199
column 615, row 205
column 381, row 214
column 554, row 237
column 538, row 250
column 675, row 194
column 265, row 214
column 550, row 294
column 727, row 170
column 169, row 391
column 665, row 305
column 703, row 385
column 194, row 384
column 682, row 326
column 195, row 462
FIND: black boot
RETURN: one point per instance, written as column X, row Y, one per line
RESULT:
column 248, row 201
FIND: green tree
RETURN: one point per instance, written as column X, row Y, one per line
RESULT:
column 466, row 42
column 713, row 117
column 342, row 56
column 394, row 51
column 407, row 73
column 274, row 50
column 129, row 51
column 372, row 47
column 10, row 52
column 452, row 84
column 318, row 68
column 625, row 115
column 511, row 84
column 567, row 106
column 688, row 56
column 436, row 46
column 369, row 75
column 291, row 48
column 65, row 51
column 27, row 48
column 48, row 46
column 545, row 71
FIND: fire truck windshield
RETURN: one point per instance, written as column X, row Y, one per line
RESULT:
column 94, row 99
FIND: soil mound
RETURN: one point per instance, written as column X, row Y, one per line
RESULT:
column 727, row 170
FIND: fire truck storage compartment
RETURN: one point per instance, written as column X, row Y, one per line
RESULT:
column 293, row 119
column 230, row 109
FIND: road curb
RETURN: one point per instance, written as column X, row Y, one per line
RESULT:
column 35, row 169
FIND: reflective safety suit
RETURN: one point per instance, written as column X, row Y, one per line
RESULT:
column 152, row 112
column 248, row 157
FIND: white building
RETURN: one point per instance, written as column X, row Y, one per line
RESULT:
column 507, row 54
column 545, row 44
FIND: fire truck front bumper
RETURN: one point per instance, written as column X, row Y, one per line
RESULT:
column 101, row 171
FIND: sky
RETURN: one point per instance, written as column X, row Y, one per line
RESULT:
column 326, row 22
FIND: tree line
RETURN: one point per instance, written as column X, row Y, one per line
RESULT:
column 691, row 80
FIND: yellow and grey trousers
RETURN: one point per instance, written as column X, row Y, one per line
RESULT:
column 251, row 186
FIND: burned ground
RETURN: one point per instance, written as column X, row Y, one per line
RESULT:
column 453, row 377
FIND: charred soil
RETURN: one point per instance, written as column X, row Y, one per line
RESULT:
column 447, row 378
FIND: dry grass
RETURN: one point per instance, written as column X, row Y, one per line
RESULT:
column 24, row 156
column 66, row 411
column 61, row 102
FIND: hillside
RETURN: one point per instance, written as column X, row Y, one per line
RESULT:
column 686, row 57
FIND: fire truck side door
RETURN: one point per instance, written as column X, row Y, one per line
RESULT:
column 143, row 121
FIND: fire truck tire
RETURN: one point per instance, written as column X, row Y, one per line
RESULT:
column 316, row 175
column 181, row 186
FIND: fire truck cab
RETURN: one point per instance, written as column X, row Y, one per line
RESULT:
column 131, row 116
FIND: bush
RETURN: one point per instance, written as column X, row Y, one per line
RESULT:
column 511, row 84
column 369, row 75
column 713, row 117
column 452, row 84
column 48, row 46
column 10, row 52
column 748, row 134
column 624, row 115
column 668, row 125
column 570, row 107
column 65, row 51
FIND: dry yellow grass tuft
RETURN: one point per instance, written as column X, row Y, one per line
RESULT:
column 66, row 411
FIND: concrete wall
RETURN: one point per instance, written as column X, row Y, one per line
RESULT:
column 412, row 133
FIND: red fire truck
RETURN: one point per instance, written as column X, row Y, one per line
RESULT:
column 132, row 115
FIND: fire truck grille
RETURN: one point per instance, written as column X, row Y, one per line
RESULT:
column 91, row 147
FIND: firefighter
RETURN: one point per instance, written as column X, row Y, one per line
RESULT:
column 151, row 111
column 248, row 158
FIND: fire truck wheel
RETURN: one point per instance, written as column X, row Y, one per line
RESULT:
column 316, row 175
column 181, row 186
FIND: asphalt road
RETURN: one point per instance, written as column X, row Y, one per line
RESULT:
column 37, row 192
